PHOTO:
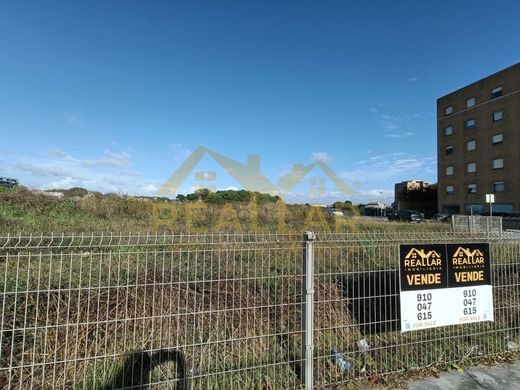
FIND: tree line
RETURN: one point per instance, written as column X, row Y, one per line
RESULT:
column 227, row 196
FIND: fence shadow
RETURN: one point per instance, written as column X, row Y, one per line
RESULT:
column 294, row 361
column 373, row 300
column 135, row 372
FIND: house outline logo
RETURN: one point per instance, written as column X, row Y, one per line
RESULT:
column 247, row 175
column 287, row 182
column 468, row 254
column 414, row 253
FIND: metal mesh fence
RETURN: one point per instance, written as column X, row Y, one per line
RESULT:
column 224, row 311
column 476, row 224
column 362, row 274
column 212, row 311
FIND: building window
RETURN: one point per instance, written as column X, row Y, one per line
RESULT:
column 470, row 102
column 472, row 188
column 499, row 186
column 471, row 209
column 471, row 124
column 448, row 130
column 450, row 190
column 450, row 209
column 498, row 139
column 498, row 163
column 449, row 171
column 497, row 92
column 449, row 150
column 503, row 207
column 472, row 167
column 448, row 110
column 497, row 116
column 471, row 145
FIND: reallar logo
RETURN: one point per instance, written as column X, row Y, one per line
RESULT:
column 463, row 256
column 469, row 264
column 421, row 258
column 422, row 266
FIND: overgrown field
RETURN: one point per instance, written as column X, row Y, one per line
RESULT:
column 25, row 211
column 219, row 311
column 224, row 315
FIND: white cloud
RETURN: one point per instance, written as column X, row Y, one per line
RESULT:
column 40, row 170
column 397, row 126
column 129, row 173
column 375, row 193
column 320, row 157
column 110, row 158
column 57, row 169
column 56, row 152
column 412, row 79
column 150, row 188
column 384, row 195
column 179, row 151
column 285, row 170
column 385, row 170
column 328, row 197
column 399, row 135
column 388, row 122
column 66, row 182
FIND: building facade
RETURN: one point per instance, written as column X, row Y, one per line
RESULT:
column 416, row 195
column 478, row 145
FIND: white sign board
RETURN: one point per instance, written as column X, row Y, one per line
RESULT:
column 490, row 198
column 444, row 285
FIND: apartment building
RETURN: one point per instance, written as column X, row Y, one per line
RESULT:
column 478, row 145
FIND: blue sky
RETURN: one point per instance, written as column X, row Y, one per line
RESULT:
column 114, row 95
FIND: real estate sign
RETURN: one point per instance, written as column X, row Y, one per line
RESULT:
column 444, row 284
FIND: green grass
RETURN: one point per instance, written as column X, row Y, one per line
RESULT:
column 25, row 211
column 227, row 307
column 224, row 327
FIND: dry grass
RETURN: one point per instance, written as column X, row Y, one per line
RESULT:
column 76, row 319
column 218, row 326
column 25, row 211
column 81, row 317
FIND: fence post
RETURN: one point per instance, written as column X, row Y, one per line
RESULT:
column 307, row 367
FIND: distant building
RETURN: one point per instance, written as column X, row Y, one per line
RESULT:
column 478, row 145
column 374, row 208
column 7, row 182
column 416, row 195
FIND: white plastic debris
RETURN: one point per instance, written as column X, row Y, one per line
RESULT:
column 343, row 364
column 363, row 345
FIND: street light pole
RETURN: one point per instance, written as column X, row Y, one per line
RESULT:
column 381, row 208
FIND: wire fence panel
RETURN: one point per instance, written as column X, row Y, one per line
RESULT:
column 224, row 311
column 476, row 223
column 185, row 312
column 358, row 331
